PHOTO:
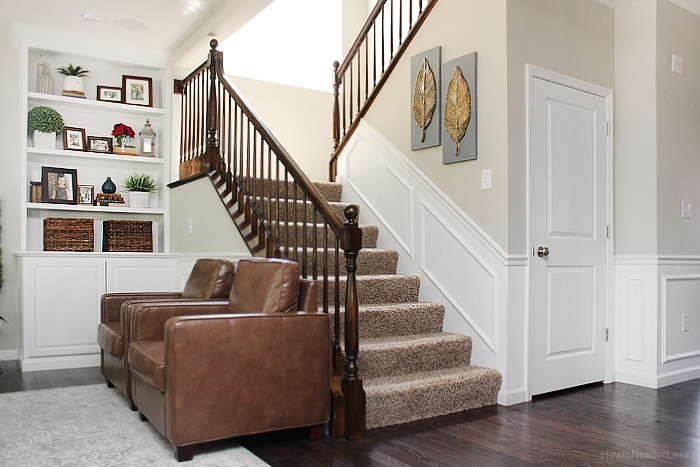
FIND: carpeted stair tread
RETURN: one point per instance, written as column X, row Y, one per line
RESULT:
column 379, row 289
column 396, row 355
column 397, row 319
column 409, row 397
column 330, row 190
column 301, row 209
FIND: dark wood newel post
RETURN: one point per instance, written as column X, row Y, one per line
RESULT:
column 211, row 156
column 336, row 122
column 352, row 389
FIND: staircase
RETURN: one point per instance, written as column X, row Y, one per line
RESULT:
column 410, row 369
column 391, row 361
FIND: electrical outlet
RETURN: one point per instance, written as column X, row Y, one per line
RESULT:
column 685, row 321
column 189, row 226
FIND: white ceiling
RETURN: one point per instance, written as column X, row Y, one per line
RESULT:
column 691, row 5
column 170, row 25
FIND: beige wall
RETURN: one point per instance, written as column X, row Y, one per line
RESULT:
column 572, row 38
column 678, row 129
column 459, row 27
column 213, row 231
column 635, row 129
column 301, row 119
column 10, row 189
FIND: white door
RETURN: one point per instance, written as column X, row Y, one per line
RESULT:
column 569, row 237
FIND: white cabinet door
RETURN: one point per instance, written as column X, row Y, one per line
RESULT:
column 60, row 306
column 142, row 275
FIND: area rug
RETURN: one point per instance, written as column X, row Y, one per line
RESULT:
column 92, row 426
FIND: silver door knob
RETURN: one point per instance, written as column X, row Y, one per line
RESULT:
column 542, row 251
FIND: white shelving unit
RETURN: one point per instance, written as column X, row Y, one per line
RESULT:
column 60, row 291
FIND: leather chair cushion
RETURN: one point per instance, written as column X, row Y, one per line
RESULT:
column 109, row 337
column 264, row 285
column 210, row 278
column 147, row 360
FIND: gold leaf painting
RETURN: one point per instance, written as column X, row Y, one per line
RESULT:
column 458, row 108
column 424, row 97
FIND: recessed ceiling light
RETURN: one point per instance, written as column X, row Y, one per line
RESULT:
column 130, row 24
column 92, row 17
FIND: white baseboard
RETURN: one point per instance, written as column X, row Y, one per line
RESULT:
column 8, row 354
column 680, row 376
column 59, row 363
column 512, row 397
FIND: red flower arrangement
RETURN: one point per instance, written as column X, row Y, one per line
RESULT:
column 122, row 132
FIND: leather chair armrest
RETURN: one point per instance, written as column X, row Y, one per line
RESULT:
column 147, row 319
column 111, row 302
column 246, row 364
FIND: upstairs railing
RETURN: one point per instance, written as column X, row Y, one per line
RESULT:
column 279, row 211
column 384, row 37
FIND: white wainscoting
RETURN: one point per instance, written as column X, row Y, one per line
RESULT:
column 482, row 287
column 652, row 295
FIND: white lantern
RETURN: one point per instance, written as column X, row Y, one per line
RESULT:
column 148, row 140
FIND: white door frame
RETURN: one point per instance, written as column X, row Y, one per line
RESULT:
column 533, row 72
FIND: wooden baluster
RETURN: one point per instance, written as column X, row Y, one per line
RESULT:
column 353, row 392
column 332, row 168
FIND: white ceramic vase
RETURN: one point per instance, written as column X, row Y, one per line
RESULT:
column 139, row 199
column 44, row 140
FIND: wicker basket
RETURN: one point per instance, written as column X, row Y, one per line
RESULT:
column 69, row 234
column 127, row 235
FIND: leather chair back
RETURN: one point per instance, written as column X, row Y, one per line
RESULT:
column 209, row 279
column 265, row 285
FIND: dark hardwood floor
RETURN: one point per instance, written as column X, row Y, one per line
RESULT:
column 614, row 424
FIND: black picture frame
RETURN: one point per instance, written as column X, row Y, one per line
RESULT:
column 54, row 190
column 137, row 90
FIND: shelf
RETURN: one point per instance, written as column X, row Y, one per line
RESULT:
column 89, row 208
column 95, row 105
column 94, row 156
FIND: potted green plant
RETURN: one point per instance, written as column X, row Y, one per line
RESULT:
column 140, row 186
column 73, row 82
column 44, row 122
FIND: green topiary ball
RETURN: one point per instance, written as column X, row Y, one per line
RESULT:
column 45, row 119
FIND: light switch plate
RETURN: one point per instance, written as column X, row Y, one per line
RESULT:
column 686, row 210
column 677, row 64
column 486, row 179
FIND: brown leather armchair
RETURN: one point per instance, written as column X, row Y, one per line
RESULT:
column 262, row 364
column 210, row 279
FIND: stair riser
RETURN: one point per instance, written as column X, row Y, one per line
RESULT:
column 413, row 357
column 294, row 237
column 431, row 399
column 374, row 322
column 399, row 289
column 300, row 209
column 369, row 261
column 331, row 191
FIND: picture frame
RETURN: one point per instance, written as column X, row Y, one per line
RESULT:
column 74, row 139
column 86, row 194
column 59, row 185
column 100, row 144
column 137, row 90
column 109, row 94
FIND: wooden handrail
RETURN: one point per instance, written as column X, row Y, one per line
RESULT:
column 349, row 109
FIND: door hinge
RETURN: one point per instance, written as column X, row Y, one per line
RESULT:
column 607, row 128
column 606, row 334
column 607, row 231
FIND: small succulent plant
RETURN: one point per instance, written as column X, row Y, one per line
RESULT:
column 70, row 70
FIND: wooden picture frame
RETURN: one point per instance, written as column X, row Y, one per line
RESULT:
column 59, row 185
column 86, row 194
column 74, row 139
column 137, row 90
column 109, row 94
column 100, row 144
